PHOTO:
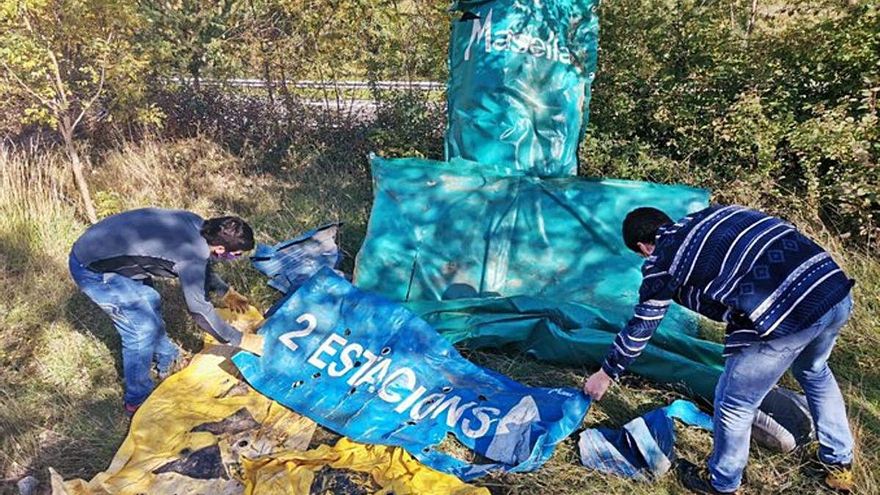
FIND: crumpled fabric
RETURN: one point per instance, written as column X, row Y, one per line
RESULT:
column 572, row 334
column 391, row 468
column 290, row 263
column 192, row 433
column 369, row 369
column 644, row 448
column 205, row 431
column 490, row 259
column 783, row 422
column 519, row 83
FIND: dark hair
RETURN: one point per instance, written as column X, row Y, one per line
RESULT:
column 232, row 233
column 641, row 224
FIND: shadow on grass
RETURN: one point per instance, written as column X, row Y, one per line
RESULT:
column 45, row 424
column 53, row 429
column 88, row 318
column 18, row 258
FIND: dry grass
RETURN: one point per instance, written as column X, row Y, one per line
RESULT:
column 60, row 391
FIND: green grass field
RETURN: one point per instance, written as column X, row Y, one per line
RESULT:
column 60, row 388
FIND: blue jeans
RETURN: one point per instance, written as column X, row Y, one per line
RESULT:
column 135, row 309
column 748, row 377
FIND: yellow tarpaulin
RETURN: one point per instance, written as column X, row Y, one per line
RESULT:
column 205, row 431
column 392, row 468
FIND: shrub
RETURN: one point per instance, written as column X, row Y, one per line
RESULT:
column 776, row 108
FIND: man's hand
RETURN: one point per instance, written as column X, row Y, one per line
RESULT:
column 235, row 301
column 597, row 384
column 252, row 343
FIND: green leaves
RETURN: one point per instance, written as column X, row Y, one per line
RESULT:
column 62, row 56
column 688, row 91
column 783, row 99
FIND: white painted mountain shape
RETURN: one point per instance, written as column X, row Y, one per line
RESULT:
column 512, row 441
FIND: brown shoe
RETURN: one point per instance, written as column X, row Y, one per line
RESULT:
column 840, row 477
column 696, row 479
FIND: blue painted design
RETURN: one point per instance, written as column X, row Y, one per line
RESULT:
column 643, row 448
column 370, row 369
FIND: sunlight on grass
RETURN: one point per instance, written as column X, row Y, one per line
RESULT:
column 60, row 391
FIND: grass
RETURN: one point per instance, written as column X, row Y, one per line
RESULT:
column 60, row 389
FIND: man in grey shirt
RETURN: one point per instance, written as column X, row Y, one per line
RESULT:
column 114, row 262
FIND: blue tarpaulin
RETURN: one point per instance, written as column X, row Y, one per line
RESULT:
column 370, row 369
column 491, row 258
column 519, row 83
column 290, row 263
column 644, row 448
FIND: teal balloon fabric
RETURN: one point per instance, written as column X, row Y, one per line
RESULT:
column 519, row 83
column 490, row 258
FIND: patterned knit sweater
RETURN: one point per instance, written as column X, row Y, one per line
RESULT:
column 755, row 272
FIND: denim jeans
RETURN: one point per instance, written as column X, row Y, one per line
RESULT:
column 748, row 377
column 135, row 309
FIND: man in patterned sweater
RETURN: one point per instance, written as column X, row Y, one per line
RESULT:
column 784, row 301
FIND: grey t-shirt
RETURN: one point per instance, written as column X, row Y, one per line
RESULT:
column 150, row 242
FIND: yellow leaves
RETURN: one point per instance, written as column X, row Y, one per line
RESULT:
column 151, row 115
column 38, row 115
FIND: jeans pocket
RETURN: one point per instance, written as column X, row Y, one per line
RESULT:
column 752, row 374
column 776, row 347
column 116, row 314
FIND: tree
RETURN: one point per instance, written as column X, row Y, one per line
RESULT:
column 65, row 58
column 191, row 35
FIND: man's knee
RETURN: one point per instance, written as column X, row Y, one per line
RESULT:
column 140, row 333
column 731, row 414
column 814, row 371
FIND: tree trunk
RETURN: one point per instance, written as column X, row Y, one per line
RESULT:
column 753, row 15
column 76, row 165
column 195, row 72
column 267, row 74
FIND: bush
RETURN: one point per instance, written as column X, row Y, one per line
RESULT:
column 299, row 129
column 780, row 113
column 408, row 123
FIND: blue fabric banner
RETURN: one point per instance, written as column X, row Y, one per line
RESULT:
column 370, row 369
column 290, row 263
column 643, row 448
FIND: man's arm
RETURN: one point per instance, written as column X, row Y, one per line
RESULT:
column 213, row 282
column 634, row 337
column 655, row 296
column 193, row 281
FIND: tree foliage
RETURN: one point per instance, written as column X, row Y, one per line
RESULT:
column 186, row 37
column 57, row 55
column 769, row 102
column 59, row 58
column 778, row 98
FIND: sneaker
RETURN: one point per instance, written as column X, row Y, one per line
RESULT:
column 696, row 479
column 838, row 477
column 130, row 409
column 178, row 364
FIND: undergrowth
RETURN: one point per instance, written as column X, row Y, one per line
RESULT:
column 60, row 386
